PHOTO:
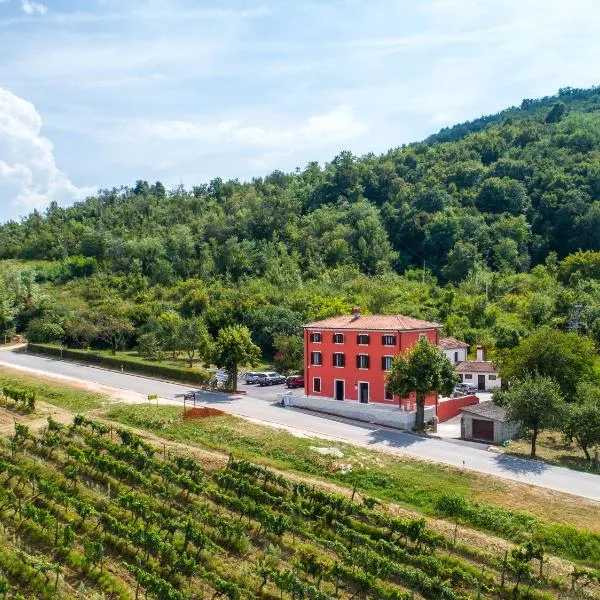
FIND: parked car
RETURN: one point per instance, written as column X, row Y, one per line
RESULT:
column 464, row 389
column 270, row 379
column 294, row 381
column 251, row 377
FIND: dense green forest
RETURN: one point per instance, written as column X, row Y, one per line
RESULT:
column 491, row 227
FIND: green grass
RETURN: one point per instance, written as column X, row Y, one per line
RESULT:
column 66, row 397
column 552, row 449
column 410, row 483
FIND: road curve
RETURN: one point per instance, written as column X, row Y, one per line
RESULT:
column 536, row 473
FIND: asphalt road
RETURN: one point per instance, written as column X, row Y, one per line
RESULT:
column 470, row 457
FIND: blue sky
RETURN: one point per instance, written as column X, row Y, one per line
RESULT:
column 100, row 93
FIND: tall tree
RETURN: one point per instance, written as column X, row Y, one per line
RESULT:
column 194, row 339
column 536, row 402
column 424, row 370
column 566, row 357
column 234, row 347
column 582, row 422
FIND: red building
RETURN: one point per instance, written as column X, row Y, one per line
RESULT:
column 347, row 358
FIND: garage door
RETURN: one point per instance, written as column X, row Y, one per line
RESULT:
column 483, row 430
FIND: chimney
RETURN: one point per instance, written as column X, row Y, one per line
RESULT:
column 480, row 356
column 355, row 313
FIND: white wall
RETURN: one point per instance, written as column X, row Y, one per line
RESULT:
column 490, row 384
column 361, row 412
column 462, row 355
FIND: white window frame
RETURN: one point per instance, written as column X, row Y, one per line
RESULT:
column 315, row 333
column 314, row 364
column 468, row 375
column 492, row 378
column 334, row 386
column 361, row 335
column 368, row 383
column 320, row 390
column 391, row 363
column 368, row 362
column 336, row 333
column 336, row 354
column 390, row 335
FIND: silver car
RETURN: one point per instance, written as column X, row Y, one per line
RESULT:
column 251, row 377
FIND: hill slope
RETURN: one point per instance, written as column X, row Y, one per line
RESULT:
column 485, row 201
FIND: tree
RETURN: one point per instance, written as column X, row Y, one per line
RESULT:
column 112, row 329
column 502, row 194
column 44, row 331
column 234, row 347
column 424, row 370
column 556, row 113
column 193, row 338
column 582, row 422
column 536, row 402
column 463, row 259
column 566, row 357
column 289, row 355
column 7, row 315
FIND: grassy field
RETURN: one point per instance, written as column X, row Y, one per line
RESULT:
column 90, row 512
column 68, row 397
column 552, row 448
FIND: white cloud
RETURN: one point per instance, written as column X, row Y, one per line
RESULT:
column 338, row 125
column 32, row 8
column 29, row 177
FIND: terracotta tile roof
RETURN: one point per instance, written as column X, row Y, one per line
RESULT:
column 487, row 410
column 475, row 366
column 450, row 343
column 373, row 322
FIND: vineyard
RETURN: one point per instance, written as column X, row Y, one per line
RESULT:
column 88, row 511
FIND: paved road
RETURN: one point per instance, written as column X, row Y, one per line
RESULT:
column 469, row 457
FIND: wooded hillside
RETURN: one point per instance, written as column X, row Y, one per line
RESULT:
column 508, row 203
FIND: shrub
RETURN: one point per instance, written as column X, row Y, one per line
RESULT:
column 113, row 362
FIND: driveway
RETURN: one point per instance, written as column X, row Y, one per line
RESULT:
column 379, row 438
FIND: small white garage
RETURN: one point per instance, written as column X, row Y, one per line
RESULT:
column 487, row 422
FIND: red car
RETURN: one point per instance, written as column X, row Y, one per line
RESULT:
column 294, row 381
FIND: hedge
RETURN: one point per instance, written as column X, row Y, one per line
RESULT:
column 114, row 362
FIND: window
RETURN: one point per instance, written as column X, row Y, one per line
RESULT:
column 388, row 340
column 316, row 384
column 422, row 336
column 362, row 339
column 492, row 377
column 362, row 361
column 316, row 358
column 456, row 357
column 315, row 337
column 338, row 338
column 468, row 376
column 388, row 394
column 386, row 362
column 339, row 359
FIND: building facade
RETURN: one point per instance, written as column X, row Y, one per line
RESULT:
column 454, row 349
column 347, row 358
column 487, row 422
column 481, row 373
